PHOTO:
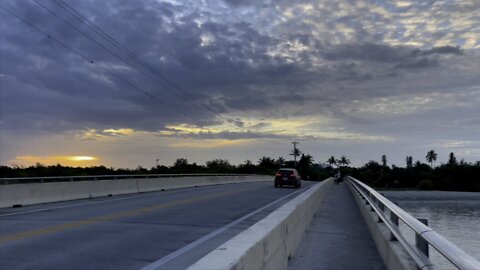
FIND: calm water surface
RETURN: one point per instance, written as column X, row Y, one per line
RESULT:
column 454, row 215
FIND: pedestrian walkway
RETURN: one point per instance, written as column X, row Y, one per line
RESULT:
column 338, row 237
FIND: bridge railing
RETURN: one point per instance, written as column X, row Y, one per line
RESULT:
column 28, row 180
column 390, row 214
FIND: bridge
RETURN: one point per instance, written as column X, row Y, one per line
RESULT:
column 208, row 222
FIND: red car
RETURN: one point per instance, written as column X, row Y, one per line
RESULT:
column 288, row 176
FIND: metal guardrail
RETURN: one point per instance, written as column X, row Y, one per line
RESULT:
column 425, row 236
column 28, row 180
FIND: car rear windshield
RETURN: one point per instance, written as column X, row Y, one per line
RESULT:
column 285, row 171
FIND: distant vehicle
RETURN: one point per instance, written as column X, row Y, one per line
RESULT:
column 288, row 176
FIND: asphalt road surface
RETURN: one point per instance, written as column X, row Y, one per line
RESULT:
column 167, row 230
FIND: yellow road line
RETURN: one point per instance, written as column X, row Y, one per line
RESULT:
column 129, row 213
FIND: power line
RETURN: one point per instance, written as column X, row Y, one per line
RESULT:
column 85, row 57
column 109, row 38
column 177, row 89
column 88, row 37
column 313, row 146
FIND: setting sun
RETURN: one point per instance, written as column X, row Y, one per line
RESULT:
column 81, row 161
column 81, row 158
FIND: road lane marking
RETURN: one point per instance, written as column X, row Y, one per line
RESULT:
column 129, row 213
column 162, row 261
column 132, row 196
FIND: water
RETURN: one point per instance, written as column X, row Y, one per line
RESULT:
column 454, row 215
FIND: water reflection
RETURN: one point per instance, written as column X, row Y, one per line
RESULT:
column 456, row 220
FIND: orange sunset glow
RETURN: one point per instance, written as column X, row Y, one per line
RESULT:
column 74, row 161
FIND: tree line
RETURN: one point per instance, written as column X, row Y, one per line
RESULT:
column 452, row 175
column 265, row 165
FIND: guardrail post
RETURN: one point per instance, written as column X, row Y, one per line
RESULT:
column 419, row 241
column 394, row 219
column 382, row 207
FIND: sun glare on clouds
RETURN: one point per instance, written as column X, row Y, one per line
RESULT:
column 121, row 131
column 81, row 161
column 216, row 143
column 81, row 158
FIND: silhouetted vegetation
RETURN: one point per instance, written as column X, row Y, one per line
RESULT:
column 452, row 175
column 265, row 165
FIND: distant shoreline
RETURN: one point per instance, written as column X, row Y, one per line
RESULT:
column 430, row 195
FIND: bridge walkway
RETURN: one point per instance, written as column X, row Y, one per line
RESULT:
column 338, row 237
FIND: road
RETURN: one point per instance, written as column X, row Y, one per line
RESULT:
column 169, row 229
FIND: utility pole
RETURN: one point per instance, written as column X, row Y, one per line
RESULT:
column 295, row 152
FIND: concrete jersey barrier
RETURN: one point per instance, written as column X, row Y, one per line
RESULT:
column 36, row 193
column 269, row 243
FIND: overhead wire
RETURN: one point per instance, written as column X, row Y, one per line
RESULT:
column 174, row 87
column 112, row 41
column 76, row 14
column 95, row 41
column 85, row 57
column 321, row 149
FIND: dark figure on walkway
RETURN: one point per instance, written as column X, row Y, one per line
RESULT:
column 337, row 178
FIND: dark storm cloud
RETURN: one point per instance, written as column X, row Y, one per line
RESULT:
column 237, row 3
column 228, row 135
column 418, row 63
column 440, row 50
column 401, row 57
column 86, row 94
column 216, row 66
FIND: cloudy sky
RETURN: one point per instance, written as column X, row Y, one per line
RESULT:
column 123, row 83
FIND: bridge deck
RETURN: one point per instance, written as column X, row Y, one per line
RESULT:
column 338, row 238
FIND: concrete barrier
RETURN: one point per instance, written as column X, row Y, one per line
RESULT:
column 394, row 256
column 269, row 243
column 35, row 193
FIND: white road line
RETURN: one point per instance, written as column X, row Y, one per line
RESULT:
column 160, row 262
column 83, row 204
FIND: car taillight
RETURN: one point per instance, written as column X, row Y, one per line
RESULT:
column 292, row 174
column 278, row 174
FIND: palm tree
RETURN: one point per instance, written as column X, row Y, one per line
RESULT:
column 384, row 160
column 452, row 160
column 431, row 157
column 267, row 162
column 306, row 160
column 295, row 153
column 280, row 161
column 332, row 161
column 343, row 161
column 409, row 161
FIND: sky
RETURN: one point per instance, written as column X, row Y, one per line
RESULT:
column 127, row 83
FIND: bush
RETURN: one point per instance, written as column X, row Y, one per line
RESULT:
column 425, row 184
